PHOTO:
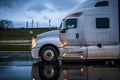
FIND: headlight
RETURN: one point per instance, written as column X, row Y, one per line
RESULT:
column 34, row 41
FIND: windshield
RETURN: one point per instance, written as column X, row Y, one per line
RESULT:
column 60, row 26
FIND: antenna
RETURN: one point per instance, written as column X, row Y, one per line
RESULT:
column 27, row 24
column 49, row 23
column 37, row 24
column 32, row 23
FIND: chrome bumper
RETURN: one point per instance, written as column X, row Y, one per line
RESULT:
column 35, row 52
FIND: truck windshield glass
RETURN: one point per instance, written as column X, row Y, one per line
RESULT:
column 60, row 26
column 71, row 23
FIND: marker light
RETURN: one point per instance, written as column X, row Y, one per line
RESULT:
column 81, row 57
column 65, row 79
column 33, row 78
column 65, row 43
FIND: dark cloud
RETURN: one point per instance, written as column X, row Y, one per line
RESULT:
column 5, row 3
column 37, row 5
column 13, row 4
column 63, row 4
column 24, row 10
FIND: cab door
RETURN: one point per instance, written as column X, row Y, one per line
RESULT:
column 70, row 32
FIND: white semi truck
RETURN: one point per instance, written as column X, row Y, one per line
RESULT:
column 91, row 31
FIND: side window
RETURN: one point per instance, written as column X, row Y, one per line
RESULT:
column 71, row 23
column 102, row 23
column 102, row 3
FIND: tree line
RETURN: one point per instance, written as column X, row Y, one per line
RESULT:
column 5, row 24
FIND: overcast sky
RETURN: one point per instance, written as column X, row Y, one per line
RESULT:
column 21, row 11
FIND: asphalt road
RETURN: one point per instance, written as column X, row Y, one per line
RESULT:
column 15, row 65
column 20, row 66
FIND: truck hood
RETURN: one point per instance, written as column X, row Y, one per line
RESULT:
column 53, row 33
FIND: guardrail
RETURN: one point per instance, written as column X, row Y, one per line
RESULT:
column 15, row 41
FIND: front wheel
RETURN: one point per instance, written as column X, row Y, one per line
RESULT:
column 49, row 54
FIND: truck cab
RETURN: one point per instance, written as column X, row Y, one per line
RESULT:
column 89, row 31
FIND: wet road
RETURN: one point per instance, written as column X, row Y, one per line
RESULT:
column 24, row 68
column 15, row 65
column 16, row 70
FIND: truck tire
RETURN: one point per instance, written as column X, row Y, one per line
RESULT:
column 49, row 54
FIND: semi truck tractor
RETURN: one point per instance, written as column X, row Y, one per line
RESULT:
column 90, row 31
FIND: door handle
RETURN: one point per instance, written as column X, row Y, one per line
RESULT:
column 77, row 35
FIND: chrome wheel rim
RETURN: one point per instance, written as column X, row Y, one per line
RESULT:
column 49, row 54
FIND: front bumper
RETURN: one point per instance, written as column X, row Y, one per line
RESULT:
column 35, row 52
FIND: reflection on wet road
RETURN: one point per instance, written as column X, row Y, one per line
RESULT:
column 29, row 70
column 32, row 70
column 76, row 71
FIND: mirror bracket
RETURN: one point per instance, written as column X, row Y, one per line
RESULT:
column 63, row 31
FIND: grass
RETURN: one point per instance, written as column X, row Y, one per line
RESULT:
column 19, row 34
column 15, row 47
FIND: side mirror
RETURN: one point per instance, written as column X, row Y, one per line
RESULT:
column 64, row 27
column 31, row 33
